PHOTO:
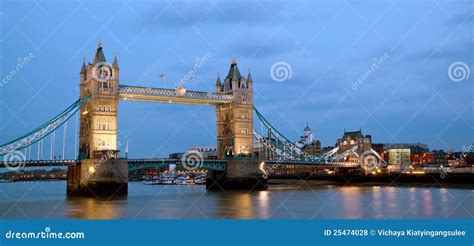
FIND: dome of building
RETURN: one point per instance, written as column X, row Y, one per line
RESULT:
column 307, row 129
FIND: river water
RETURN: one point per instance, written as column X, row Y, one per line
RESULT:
column 47, row 200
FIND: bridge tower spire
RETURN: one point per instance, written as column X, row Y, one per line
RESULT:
column 218, row 83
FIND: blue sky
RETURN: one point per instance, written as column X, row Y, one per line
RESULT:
column 329, row 46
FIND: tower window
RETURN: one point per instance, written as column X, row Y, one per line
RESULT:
column 104, row 108
column 104, row 126
column 105, row 85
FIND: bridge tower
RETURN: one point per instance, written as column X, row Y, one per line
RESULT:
column 100, row 170
column 235, row 135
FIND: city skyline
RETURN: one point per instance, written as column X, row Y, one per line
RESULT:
column 327, row 90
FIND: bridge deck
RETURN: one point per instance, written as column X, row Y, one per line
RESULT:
column 147, row 94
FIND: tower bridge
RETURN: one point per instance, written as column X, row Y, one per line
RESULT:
column 99, row 168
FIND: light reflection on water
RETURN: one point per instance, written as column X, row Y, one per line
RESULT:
column 40, row 200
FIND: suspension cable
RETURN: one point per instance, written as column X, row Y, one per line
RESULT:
column 44, row 130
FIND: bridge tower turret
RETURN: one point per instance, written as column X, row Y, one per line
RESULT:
column 234, row 120
column 218, row 84
column 235, row 135
column 100, row 169
column 98, row 131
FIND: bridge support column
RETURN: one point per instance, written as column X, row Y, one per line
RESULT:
column 240, row 174
column 98, row 177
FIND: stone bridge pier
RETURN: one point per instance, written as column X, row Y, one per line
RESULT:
column 240, row 174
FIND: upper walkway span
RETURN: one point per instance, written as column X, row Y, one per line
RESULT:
column 175, row 96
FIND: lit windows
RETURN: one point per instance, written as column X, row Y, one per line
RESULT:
column 104, row 108
column 244, row 131
column 103, row 142
column 105, row 85
column 104, row 126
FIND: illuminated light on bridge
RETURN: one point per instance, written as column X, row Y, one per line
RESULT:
column 181, row 91
column 91, row 170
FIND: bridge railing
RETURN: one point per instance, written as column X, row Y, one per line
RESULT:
column 135, row 164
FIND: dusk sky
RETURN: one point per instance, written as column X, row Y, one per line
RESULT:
column 329, row 46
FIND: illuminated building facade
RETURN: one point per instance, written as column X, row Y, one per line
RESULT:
column 399, row 157
column 352, row 139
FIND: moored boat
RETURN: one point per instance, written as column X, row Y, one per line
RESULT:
column 167, row 178
column 152, row 181
column 200, row 179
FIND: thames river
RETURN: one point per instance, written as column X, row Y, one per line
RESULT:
column 47, row 200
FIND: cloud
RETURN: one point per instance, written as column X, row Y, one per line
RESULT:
column 209, row 13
